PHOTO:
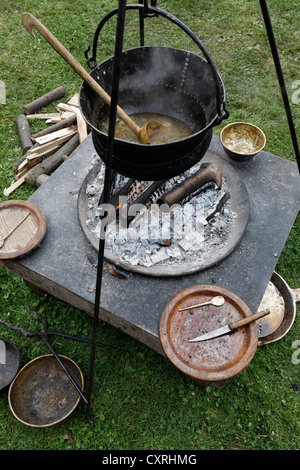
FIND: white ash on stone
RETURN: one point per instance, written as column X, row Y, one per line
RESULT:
column 163, row 238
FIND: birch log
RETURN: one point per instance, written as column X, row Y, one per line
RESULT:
column 24, row 132
column 44, row 100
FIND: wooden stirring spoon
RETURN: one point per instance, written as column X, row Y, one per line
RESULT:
column 143, row 133
column 2, row 240
column 216, row 301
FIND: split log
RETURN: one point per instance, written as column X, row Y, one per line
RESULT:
column 65, row 115
column 41, row 180
column 17, row 183
column 82, row 128
column 24, row 132
column 23, row 171
column 44, row 100
column 43, row 116
column 17, row 164
column 35, row 149
column 51, row 163
column 68, row 108
column 71, row 121
column 33, row 159
column 57, row 136
column 43, row 151
column 39, row 152
column 74, row 101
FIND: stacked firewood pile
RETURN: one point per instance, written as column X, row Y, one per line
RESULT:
column 45, row 151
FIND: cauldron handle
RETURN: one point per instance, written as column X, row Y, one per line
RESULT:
column 221, row 108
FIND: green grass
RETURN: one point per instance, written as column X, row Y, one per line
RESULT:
column 140, row 401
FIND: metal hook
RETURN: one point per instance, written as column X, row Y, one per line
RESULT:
column 146, row 13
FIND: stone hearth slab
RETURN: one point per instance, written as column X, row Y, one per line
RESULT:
column 63, row 265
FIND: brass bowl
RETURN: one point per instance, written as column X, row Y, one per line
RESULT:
column 41, row 394
column 241, row 140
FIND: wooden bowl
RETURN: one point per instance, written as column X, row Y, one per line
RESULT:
column 214, row 360
column 41, row 394
column 241, row 140
column 22, row 226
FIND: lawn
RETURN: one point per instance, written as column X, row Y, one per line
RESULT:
column 140, row 402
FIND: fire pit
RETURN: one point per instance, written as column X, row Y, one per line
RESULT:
column 64, row 264
column 195, row 233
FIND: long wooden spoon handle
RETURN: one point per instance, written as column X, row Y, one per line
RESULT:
column 29, row 21
column 16, row 226
column 194, row 306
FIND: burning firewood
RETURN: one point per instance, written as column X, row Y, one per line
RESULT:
column 218, row 206
column 208, row 173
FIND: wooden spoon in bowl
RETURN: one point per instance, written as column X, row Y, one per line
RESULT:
column 143, row 133
column 216, row 301
column 2, row 240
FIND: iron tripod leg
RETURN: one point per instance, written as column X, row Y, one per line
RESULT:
column 268, row 24
column 44, row 335
column 65, row 369
column 107, row 186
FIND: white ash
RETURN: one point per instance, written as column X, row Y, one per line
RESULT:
column 156, row 238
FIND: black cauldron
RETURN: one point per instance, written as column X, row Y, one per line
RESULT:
column 161, row 80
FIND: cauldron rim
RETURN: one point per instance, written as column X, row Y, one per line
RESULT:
column 204, row 130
